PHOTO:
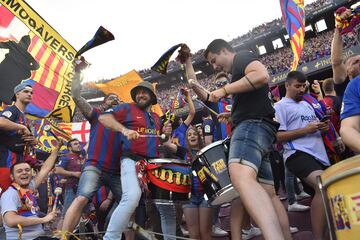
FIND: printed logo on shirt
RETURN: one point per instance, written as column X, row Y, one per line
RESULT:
column 310, row 118
column 7, row 114
column 207, row 129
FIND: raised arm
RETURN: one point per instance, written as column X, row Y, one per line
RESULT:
column 47, row 166
column 84, row 107
column 191, row 114
column 337, row 61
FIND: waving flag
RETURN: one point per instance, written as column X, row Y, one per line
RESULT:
column 31, row 50
column 161, row 65
column 178, row 102
column 101, row 36
column 293, row 14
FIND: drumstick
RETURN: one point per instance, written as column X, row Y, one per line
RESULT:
column 208, row 108
column 162, row 136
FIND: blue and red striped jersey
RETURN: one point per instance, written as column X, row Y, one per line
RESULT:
column 104, row 150
column 145, row 123
column 11, row 144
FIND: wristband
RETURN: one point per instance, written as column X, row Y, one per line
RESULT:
column 226, row 93
column 207, row 97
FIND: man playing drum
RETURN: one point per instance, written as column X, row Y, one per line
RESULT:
column 253, row 134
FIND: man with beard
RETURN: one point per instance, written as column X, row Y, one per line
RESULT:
column 70, row 167
column 102, row 166
column 141, row 129
column 18, row 203
column 14, row 133
column 304, row 149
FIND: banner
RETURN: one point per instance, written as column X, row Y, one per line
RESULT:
column 31, row 50
column 171, row 177
column 122, row 86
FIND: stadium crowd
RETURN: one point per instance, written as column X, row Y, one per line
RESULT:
column 139, row 167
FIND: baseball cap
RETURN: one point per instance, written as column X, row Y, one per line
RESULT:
column 19, row 88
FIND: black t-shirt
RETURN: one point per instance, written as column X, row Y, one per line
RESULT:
column 340, row 89
column 253, row 104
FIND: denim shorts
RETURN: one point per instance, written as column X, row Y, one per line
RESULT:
column 92, row 179
column 197, row 201
column 251, row 144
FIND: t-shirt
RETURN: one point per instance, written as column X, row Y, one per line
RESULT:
column 334, row 103
column 178, row 135
column 340, row 88
column 104, row 150
column 10, row 201
column 72, row 162
column 145, row 123
column 253, row 104
column 294, row 115
column 224, row 105
column 11, row 144
column 351, row 101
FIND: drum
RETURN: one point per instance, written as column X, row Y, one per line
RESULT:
column 341, row 196
column 169, row 180
column 210, row 167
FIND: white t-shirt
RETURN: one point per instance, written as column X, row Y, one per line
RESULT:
column 293, row 115
column 10, row 201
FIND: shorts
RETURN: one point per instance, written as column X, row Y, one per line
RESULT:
column 302, row 164
column 251, row 144
column 197, row 201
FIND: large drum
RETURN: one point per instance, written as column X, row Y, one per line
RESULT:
column 211, row 169
column 339, row 186
column 169, row 180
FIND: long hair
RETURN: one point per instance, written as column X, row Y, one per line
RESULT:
column 200, row 141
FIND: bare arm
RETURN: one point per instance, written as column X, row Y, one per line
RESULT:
column 84, row 107
column 258, row 75
column 285, row 136
column 191, row 114
column 350, row 132
column 12, row 219
column 172, row 147
column 47, row 166
column 338, row 66
column 199, row 90
column 7, row 125
column 109, row 121
column 65, row 173
column 208, row 139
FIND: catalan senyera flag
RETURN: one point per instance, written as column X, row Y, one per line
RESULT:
column 31, row 50
column 293, row 15
column 122, row 86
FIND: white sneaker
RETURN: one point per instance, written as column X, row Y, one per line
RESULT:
column 218, row 232
column 296, row 207
column 302, row 195
column 185, row 232
column 252, row 232
column 294, row 229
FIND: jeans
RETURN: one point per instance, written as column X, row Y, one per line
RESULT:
column 168, row 220
column 69, row 197
column 129, row 200
column 291, row 186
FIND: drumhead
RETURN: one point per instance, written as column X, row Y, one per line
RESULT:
column 167, row 160
column 212, row 145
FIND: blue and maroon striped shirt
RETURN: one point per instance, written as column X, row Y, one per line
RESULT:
column 145, row 123
column 104, row 150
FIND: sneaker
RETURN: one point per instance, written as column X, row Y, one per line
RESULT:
column 294, row 229
column 296, row 207
column 302, row 195
column 218, row 232
column 250, row 233
column 184, row 231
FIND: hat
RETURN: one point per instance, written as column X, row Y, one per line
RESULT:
column 19, row 88
column 146, row 85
